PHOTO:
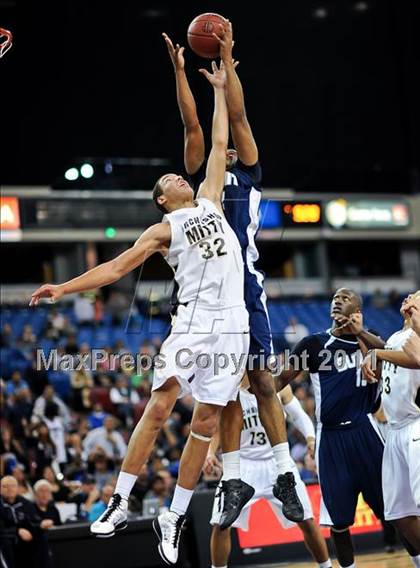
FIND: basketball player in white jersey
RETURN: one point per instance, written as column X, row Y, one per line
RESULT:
column 201, row 247
column 401, row 462
column 258, row 469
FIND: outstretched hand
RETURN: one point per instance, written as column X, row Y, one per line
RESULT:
column 218, row 77
column 225, row 39
column 175, row 53
column 51, row 291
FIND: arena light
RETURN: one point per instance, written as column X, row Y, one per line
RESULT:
column 86, row 170
column 110, row 233
column 71, row 174
column 320, row 13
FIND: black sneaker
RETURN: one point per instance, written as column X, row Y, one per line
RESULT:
column 284, row 490
column 236, row 494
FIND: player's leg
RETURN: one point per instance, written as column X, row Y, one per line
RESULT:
column 334, row 457
column 409, row 527
column 139, row 449
column 394, row 471
column 220, row 547
column 343, row 545
column 315, row 543
column 272, row 418
column 168, row 525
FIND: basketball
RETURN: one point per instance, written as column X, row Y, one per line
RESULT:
column 200, row 35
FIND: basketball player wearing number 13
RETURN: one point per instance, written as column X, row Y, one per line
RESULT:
column 199, row 244
column 400, row 378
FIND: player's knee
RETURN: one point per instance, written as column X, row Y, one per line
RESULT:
column 307, row 526
column 159, row 410
column 205, row 424
column 337, row 529
column 263, row 384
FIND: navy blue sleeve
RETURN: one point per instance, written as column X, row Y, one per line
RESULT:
column 307, row 350
column 254, row 172
column 197, row 178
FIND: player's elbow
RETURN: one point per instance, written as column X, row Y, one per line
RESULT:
column 219, row 145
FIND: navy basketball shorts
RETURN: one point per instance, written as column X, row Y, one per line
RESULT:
column 261, row 346
column 349, row 460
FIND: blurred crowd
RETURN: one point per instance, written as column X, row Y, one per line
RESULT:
column 61, row 448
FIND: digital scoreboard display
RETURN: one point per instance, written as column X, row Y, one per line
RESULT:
column 275, row 214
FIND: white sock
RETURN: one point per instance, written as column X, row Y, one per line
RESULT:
column 181, row 500
column 349, row 566
column 125, row 484
column 416, row 560
column 326, row 564
column 225, row 566
column 231, row 465
column 282, row 456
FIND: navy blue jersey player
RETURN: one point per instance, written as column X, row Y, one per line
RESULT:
column 349, row 446
column 242, row 194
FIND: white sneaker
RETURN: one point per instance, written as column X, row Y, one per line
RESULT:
column 168, row 527
column 113, row 519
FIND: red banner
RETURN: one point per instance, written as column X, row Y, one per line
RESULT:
column 266, row 530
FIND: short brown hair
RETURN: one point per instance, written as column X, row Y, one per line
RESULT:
column 157, row 192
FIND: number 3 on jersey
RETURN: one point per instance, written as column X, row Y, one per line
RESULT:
column 208, row 246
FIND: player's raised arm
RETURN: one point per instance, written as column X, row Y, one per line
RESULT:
column 194, row 147
column 154, row 239
column 212, row 186
column 241, row 130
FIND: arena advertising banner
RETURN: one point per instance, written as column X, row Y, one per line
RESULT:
column 266, row 530
column 367, row 214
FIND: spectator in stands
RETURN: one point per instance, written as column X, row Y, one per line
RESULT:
column 102, row 468
column 71, row 347
column 117, row 305
column 44, row 505
column 20, row 411
column 81, row 382
column 36, row 377
column 60, row 492
column 56, row 429
column 50, row 396
column 24, row 487
column 11, row 449
column 84, row 310
column 99, row 506
column 16, row 383
column 43, row 448
column 21, row 536
column 124, row 396
column 97, row 416
column 106, row 438
column 6, row 339
column 158, row 490
column 308, row 472
column 294, row 332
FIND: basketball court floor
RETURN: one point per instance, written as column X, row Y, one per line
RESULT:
column 375, row 560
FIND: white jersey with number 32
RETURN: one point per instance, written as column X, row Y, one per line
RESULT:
column 206, row 256
column 399, row 386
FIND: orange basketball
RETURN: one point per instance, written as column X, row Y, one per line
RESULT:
column 200, row 35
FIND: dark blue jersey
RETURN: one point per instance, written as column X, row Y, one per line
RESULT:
column 342, row 397
column 241, row 202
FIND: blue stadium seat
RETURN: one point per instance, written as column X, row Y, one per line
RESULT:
column 61, row 382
